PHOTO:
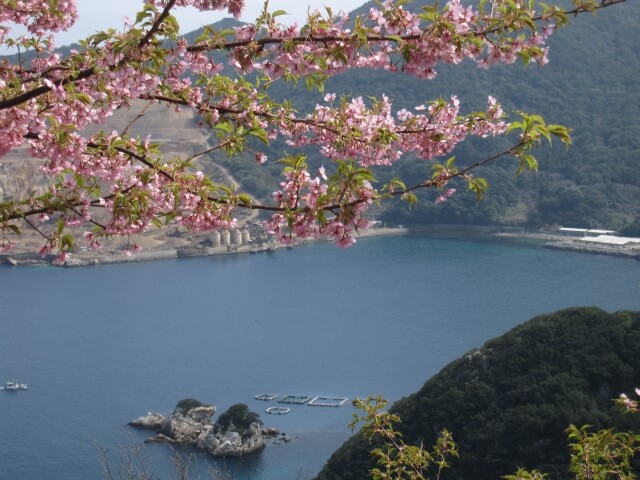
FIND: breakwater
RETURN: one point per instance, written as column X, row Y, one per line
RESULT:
column 594, row 249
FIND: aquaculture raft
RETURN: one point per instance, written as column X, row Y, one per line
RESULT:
column 265, row 397
column 278, row 410
column 318, row 401
column 328, row 401
column 295, row 399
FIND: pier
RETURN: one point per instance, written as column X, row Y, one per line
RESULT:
column 598, row 242
column 602, row 245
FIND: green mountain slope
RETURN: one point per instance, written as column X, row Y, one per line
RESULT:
column 508, row 403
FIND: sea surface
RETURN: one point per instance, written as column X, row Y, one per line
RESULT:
column 102, row 345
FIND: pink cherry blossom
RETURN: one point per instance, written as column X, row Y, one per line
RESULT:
column 61, row 258
column 124, row 185
column 6, row 246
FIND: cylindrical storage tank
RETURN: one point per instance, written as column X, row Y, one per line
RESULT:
column 236, row 236
column 216, row 238
column 246, row 237
column 226, row 238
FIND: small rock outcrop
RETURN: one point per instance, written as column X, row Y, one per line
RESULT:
column 151, row 420
column 231, row 443
column 8, row 261
column 187, row 423
column 238, row 431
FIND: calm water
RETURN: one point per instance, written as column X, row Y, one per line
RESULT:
column 100, row 346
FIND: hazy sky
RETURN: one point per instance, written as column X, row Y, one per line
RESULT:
column 98, row 15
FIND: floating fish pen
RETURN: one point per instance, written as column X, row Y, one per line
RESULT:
column 278, row 410
column 328, row 401
column 265, row 397
column 295, row 399
column 318, row 401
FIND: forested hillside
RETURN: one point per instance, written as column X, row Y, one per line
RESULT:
column 590, row 84
column 509, row 402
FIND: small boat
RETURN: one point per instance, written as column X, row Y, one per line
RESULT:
column 15, row 386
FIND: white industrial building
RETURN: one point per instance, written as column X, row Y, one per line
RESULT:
column 611, row 241
column 584, row 232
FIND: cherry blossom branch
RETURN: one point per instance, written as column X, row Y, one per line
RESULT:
column 261, row 42
column 74, row 203
column 44, row 89
column 35, row 228
column 157, row 23
column 49, row 104
column 87, row 72
column 369, row 39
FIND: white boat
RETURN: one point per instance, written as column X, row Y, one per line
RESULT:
column 15, row 386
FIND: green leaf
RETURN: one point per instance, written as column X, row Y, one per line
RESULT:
column 450, row 162
column 396, row 38
column 514, row 126
column 410, row 198
column 479, row 186
column 13, row 228
column 527, row 161
column 67, row 241
column 261, row 134
column 245, row 199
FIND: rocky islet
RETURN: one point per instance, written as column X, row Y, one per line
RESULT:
column 193, row 425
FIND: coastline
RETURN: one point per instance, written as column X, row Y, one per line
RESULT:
column 594, row 250
column 164, row 252
column 550, row 240
column 82, row 259
column 573, row 245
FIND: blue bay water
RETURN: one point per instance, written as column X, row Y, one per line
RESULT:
column 100, row 346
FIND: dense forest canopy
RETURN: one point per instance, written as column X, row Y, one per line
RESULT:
column 509, row 402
